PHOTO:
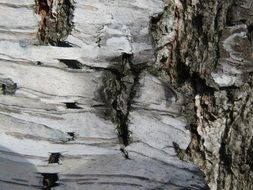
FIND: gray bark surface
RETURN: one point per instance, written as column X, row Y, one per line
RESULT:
column 115, row 94
column 79, row 108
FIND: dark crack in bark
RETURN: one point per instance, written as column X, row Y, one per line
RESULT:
column 118, row 91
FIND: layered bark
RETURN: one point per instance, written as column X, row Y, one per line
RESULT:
column 80, row 107
column 210, row 61
column 108, row 94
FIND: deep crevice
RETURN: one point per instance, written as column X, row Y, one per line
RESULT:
column 123, row 132
column 250, row 155
column 199, row 85
column 118, row 91
column 250, row 28
column 197, row 22
column 229, row 16
column 250, row 33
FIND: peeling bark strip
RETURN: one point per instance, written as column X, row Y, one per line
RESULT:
column 56, row 20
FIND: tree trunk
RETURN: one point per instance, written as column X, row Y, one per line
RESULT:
column 143, row 94
column 210, row 61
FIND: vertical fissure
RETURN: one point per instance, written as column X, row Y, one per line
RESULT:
column 118, row 91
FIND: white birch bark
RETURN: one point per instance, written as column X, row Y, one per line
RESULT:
column 55, row 106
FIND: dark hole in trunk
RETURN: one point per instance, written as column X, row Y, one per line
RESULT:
column 39, row 63
column 72, row 135
column 4, row 89
column 71, row 63
column 127, row 58
column 49, row 180
column 197, row 22
column 64, row 44
column 54, row 158
column 72, row 105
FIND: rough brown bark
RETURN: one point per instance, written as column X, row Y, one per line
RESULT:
column 211, row 62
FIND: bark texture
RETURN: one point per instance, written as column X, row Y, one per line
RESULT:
column 80, row 107
column 210, row 60
column 140, row 94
